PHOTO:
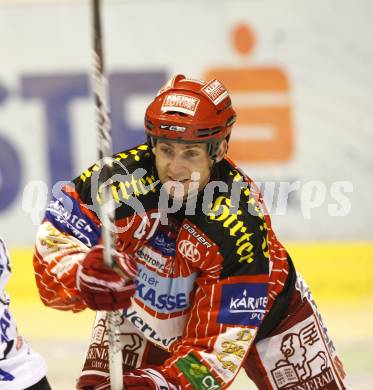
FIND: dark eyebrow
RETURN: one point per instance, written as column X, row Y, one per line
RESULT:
column 199, row 146
column 187, row 146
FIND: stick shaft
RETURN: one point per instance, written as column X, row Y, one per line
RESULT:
column 99, row 83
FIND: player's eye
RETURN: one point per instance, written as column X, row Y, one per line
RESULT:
column 191, row 154
column 166, row 151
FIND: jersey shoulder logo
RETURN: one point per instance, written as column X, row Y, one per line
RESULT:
column 189, row 250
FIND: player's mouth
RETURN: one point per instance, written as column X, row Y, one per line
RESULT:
column 181, row 181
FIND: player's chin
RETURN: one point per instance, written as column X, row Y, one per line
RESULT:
column 176, row 190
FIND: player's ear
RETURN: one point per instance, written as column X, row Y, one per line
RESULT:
column 222, row 150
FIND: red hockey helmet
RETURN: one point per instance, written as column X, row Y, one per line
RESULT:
column 190, row 111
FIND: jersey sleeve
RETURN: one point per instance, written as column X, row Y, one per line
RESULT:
column 68, row 231
column 71, row 226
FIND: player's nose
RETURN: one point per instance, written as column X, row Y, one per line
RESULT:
column 177, row 170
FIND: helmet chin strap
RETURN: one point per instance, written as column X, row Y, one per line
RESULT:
column 213, row 152
column 212, row 149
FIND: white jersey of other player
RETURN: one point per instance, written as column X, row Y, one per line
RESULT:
column 20, row 366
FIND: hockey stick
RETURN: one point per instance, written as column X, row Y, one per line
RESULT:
column 99, row 84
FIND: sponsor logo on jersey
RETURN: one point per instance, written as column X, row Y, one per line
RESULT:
column 74, row 222
column 221, row 211
column 299, row 357
column 243, row 303
column 215, row 91
column 189, row 251
column 197, row 373
column 151, row 258
column 163, row 294
column 198, row 236
column 151, row 334
column 181, row 103
column 160, row 302
column 163, row 242
column 132, row 185
column 97, row 357
column 229, row 350
column 132, row 344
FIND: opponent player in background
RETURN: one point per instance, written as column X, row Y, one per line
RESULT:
column 20, row 366
column 206, row 287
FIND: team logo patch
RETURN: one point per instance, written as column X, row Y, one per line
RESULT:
column 215, row 91
column 243, row 303
column 189, row 250
column 181, row 103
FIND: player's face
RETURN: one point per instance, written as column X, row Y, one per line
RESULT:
column 182, row 167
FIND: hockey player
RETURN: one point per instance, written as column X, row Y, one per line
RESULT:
column 206, row 288
column 20, row 366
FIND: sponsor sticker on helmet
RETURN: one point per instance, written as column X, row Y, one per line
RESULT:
column 180, row 103
column 179, row 129
column 191, row 80
column 170, row 83
column 215, row 91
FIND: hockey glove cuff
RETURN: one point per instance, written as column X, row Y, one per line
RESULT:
column 143, row 379
column 100, row 286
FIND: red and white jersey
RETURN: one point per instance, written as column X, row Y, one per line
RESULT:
column 208, row 273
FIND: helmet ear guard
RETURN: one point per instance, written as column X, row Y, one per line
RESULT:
column 190, row 111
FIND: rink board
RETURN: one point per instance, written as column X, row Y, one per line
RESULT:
column 334, row 271
column 340, row 276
